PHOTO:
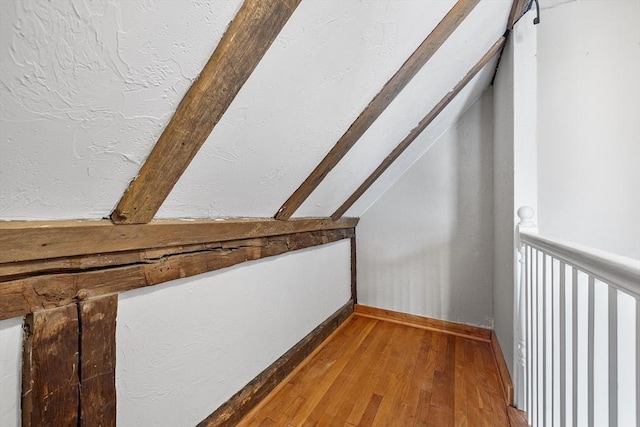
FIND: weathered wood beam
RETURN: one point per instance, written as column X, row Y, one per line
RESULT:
column 518, row 8
column 243, row 45
column 422, row 125
column 98, row 361
column 380, row 102
column 20, row 270
column 240, row 404
column 31, row 240
column 43, row 291
column 50, row 374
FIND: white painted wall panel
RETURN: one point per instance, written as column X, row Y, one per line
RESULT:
column 589, row 124
column 425, row 246
column 10, row 371
column 185, row 347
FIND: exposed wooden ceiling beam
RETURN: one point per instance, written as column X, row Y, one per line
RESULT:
column 31, row 240
column 47, row 289
column 243, row 45
column 422, row 125
column 517, row 10
column 379, row 103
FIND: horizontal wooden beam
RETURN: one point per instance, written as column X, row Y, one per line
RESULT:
column 43, row 291
column 241, row 48
column 31, row 240
column 240, row 404
column 380, row 102
column 415, row 132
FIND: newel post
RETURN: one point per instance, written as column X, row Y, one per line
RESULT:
column 525, row 213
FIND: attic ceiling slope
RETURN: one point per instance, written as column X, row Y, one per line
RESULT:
column 252, row 31
column 378, row 104
column 460, row 53
column 325, row 66
column 415, row 132
column 86, row 88
column 467, row 96
column 425, row 141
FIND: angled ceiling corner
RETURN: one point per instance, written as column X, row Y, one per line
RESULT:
column 251, row 135
column 472, row 49
column 378, row 104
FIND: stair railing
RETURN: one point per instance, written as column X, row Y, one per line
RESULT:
column 577, row 333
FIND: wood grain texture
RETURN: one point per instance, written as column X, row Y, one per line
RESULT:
column 378, row 104
column 231, row 412
column 379, row 373
column 31, row 240
column 415, row 132
column 243, row 45
column 98, row 361
column 518, row 8
column 74, row 264
column 50, row 374
column 466, row 331
column 21, row 296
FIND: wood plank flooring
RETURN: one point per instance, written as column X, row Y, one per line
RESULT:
column 377, row 373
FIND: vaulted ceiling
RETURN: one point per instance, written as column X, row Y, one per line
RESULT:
column 87, row 88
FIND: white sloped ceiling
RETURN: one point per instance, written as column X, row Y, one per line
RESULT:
column 86, row 88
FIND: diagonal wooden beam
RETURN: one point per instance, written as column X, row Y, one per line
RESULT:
column 518, row 8
column 495, row 49
column 245, row 42
column 379, row 103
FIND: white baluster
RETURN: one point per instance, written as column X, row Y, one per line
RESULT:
column 525, row 214
column 613, row 356
column 590, row 352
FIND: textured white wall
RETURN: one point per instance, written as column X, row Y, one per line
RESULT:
column 326, row 65
column 89, row 86
column 185, row 347
column 10, row 371
column 589, row 124
column 425, row 247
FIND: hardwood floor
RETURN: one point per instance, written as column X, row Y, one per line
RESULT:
column 377, row 373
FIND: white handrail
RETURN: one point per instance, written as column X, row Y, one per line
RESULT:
column 620, row 272
column 558, row 355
